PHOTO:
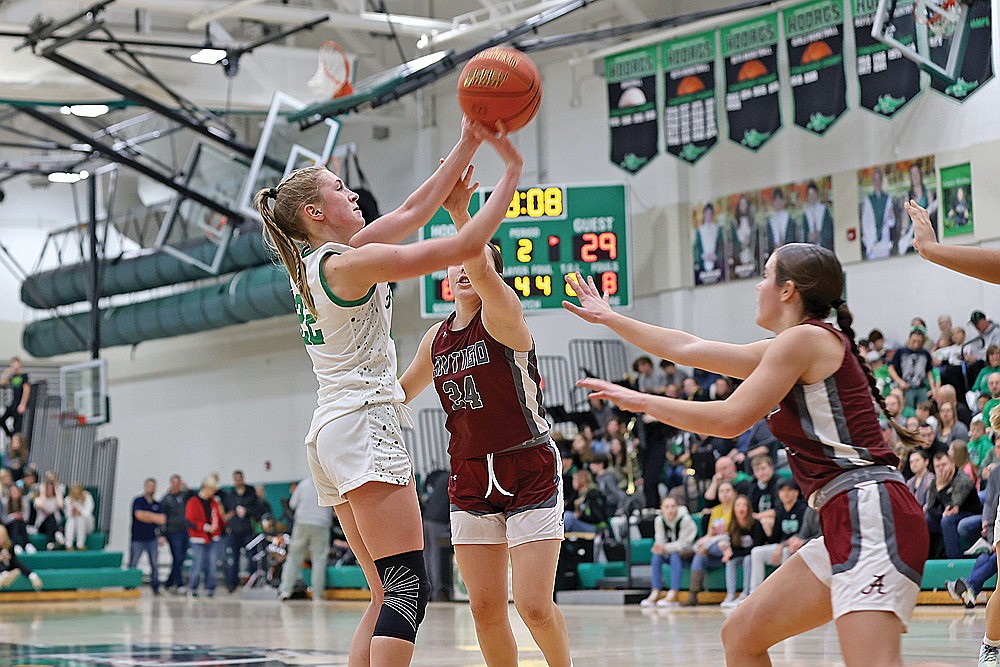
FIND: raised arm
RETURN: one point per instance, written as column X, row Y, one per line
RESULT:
column 352, row 274
column 737, row 361
column 420, row 372
column 787, row 359
column 503, row 315
column 420, row 206
column 982, row 263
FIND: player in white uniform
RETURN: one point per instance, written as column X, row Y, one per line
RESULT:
column 354, row 447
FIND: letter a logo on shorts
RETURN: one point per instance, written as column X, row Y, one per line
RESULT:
column 875, row 586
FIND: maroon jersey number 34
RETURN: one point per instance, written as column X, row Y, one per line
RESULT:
column 491, row 393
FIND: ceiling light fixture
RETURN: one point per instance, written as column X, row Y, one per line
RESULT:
column 208, row 56
column 85, row 110
column 68, row 176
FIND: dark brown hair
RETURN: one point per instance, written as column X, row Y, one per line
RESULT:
column 819, row 279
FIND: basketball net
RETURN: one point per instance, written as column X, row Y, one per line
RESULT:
column 333, row 73
column 940, row 16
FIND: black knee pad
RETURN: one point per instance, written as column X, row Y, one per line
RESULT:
column 407, row 590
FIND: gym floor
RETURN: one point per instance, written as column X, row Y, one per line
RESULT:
column 173, row 631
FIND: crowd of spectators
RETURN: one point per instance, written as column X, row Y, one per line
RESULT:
column 233, row 532
column 738, row 491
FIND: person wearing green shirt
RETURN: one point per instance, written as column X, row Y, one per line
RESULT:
column 993, row 359
column 980, row 444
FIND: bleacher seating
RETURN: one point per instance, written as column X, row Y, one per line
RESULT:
column 92, row 571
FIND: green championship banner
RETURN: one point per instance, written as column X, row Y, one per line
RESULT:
column 956, row 195
column 632, row 117
column 751, row 60
column 690, row 119
column 977, row 68
column 888, row 80
column 814, row 36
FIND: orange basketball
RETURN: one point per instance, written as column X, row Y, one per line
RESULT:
column 500, row 84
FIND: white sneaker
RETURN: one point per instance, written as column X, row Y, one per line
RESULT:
column 18, row 549
column 7, row 578
column 729, row 602
column 668, row 600
column 738, row 601
column 29, row 548
column 36, row 581
column 60, row 538
column 654, row 597
column 989, row 656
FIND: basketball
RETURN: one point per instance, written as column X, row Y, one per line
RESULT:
column 500, row 84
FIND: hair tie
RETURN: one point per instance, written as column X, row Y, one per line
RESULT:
column 273, row 193
column 837, row 303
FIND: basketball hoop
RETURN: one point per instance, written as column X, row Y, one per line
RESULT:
column 71, row 419
column 940, row 16
column 333, row 75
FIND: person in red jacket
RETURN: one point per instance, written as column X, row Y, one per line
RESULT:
column 205, row 523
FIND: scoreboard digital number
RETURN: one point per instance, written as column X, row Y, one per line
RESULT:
column 549, row 231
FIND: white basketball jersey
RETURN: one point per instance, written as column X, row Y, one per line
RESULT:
column 352, row 353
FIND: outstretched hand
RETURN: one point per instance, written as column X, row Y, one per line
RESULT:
column 594, row 307
column 923, row 230
column 457, row 201
column 625, row 398
column 474, row 130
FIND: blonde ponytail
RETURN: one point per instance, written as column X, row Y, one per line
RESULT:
column 283, row 232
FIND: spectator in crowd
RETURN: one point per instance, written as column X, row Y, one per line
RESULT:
column 6, row 481
column 175, row 530
column 263, row 506
column 204, row 515
column 949, row 428
column 15, row 520
column 928, row 442
column 745, row 533
column 924, row 412
column 708, row 552
column 985, row 567
column 287, row 513
column 600, row 412
column 29, row 484
column 609, row 430
column 608, row 482
column 590, row 508
column 569, row 468
column 788, row 521
column 946, row 394
column 756, row 441
column 649, row 379
column 878, row 343
column 895, row 405
column 980, row 444
column 979, row 386
column 11, row 567
column 311, row 536
column 17, row 457
column 959, row 452
column 79, row 516
column 975, row 350
column 950, row 360
column 654, row 436
column 49, row 506
column 20, row 393
column 618, row 457
column 240, row 504
column 951, row 499
column 993, row 382
column 671, row 374
column 923, row 479
column 147, row 517
column 764, row 490
column 912, row 369
column 725, row 471
column 692, row 391
column 674, row 534
column 722, row 511
column 721, row 389
column 945, row 325
column 436, row 515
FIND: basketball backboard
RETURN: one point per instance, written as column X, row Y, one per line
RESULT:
column 84, row 392
column 933, row 33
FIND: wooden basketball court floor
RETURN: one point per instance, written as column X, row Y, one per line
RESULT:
column 174, row 632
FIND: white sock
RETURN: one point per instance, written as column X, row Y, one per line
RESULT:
column 991, row 642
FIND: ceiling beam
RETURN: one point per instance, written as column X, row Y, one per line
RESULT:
column 200, row 21
column 376, row 22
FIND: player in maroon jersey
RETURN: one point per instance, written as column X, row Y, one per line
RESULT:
column 506, row 485
column 865, row 571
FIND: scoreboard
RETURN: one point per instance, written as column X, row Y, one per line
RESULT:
column 549, row 231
